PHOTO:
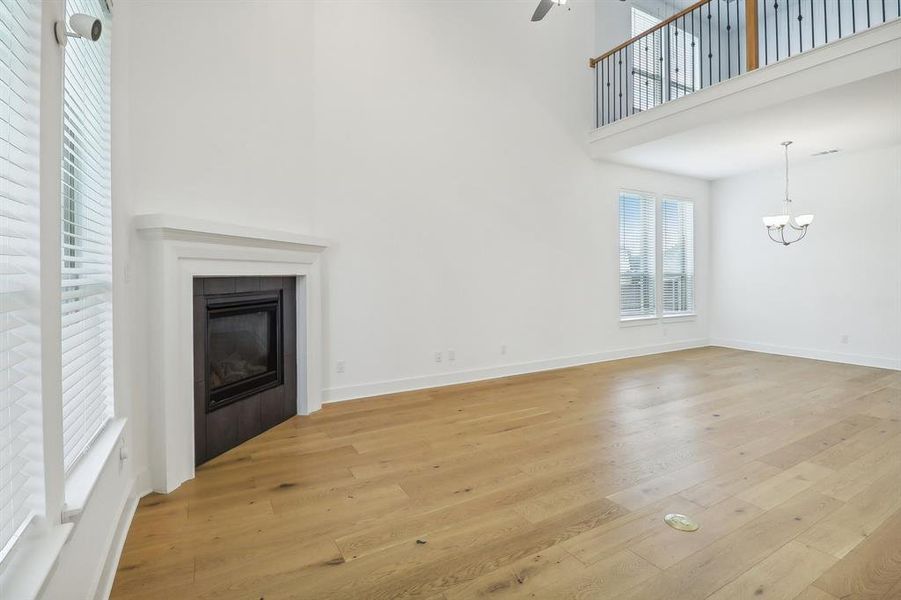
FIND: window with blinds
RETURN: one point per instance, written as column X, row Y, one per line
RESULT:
column 21, row 456
column 677, row 231
column 637, row 256
column 86, row 238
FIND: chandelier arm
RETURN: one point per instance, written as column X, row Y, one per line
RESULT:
column 769, row 233
column 799, row 238
column 786, row 172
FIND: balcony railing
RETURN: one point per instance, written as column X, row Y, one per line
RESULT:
column 714, row 40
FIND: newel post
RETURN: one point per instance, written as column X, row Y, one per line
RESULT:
column 751, row 33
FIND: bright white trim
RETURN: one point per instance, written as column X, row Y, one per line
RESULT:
column 176, row 224
column 32, row 562
column 176, row 256
column 639, row 321
column 677, row 317
column 139, row 489
column 86, row 472
column 378, row 388
column 881, row 362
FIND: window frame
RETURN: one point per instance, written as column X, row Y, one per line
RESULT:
column 638, row 319
column 74, row 207
column 693, row 311
column 658, row 317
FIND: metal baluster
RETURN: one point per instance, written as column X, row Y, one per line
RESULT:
column 597, row 115
column 619, row 71
column 694, row 42
column 600, row 67
column 788, row 28
column 647, row 76
column 661, row 46
column 680, row 80
column 609, row 103
column 766, row 37
column 776, row 25
column 709, row 45
column 800, row 31
column 738, row 35
column 669, row 57
column 853, row 17
column 719, row 43
column 825, row 21
column 868, row 14
column 613, row 93
column 839, row 10
column 813, row 35
column 728, row 41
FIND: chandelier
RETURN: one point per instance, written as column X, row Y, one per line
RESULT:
column 776, row 226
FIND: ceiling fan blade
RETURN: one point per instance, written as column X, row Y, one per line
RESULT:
column 541, row 10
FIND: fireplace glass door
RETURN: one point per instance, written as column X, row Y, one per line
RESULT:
column 243, row 346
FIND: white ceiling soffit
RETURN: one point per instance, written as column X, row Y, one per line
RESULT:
column 844, row 95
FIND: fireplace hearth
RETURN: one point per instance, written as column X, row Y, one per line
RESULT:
column 244, row 359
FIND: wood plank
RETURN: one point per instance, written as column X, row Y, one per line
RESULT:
column 871, row 570
column 781, row 576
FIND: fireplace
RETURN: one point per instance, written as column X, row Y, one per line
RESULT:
column 244, row 346
column 244, row 359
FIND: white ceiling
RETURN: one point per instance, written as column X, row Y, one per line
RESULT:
column 862, row 114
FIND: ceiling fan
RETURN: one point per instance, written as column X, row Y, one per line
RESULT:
column 543, row 7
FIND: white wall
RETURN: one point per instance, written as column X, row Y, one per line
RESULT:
column 446, row 163
column 844, row 279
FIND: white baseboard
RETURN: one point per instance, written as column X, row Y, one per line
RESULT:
column 882, row 362
column 365, row 390
column 139, row 489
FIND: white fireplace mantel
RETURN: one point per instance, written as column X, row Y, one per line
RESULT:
column 178, row 249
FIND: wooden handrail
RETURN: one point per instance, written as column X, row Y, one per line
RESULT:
column 594, row 61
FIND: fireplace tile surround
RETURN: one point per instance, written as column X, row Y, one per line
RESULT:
column 231, row 413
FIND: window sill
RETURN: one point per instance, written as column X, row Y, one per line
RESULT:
column 80, row 483
column 638, row 321
column 680, row 317
column 32, row 562
column 656, row 319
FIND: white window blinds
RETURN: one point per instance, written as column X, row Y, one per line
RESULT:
column 637, row 260
column 86, row 238
column 21, row 489
column 677, row 217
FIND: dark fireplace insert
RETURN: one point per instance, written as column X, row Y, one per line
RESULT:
column 244, row 346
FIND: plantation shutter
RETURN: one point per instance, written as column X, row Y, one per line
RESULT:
column 637, row 264
column 21, row 456
column 678, row 256
column 86, row 237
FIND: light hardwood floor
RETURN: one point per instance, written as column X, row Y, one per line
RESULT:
column 553, row 485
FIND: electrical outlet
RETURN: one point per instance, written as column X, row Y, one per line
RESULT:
column 437, row 357
column 845, row 338
column 451, row 355
column 503, row 349
column 339, row 366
